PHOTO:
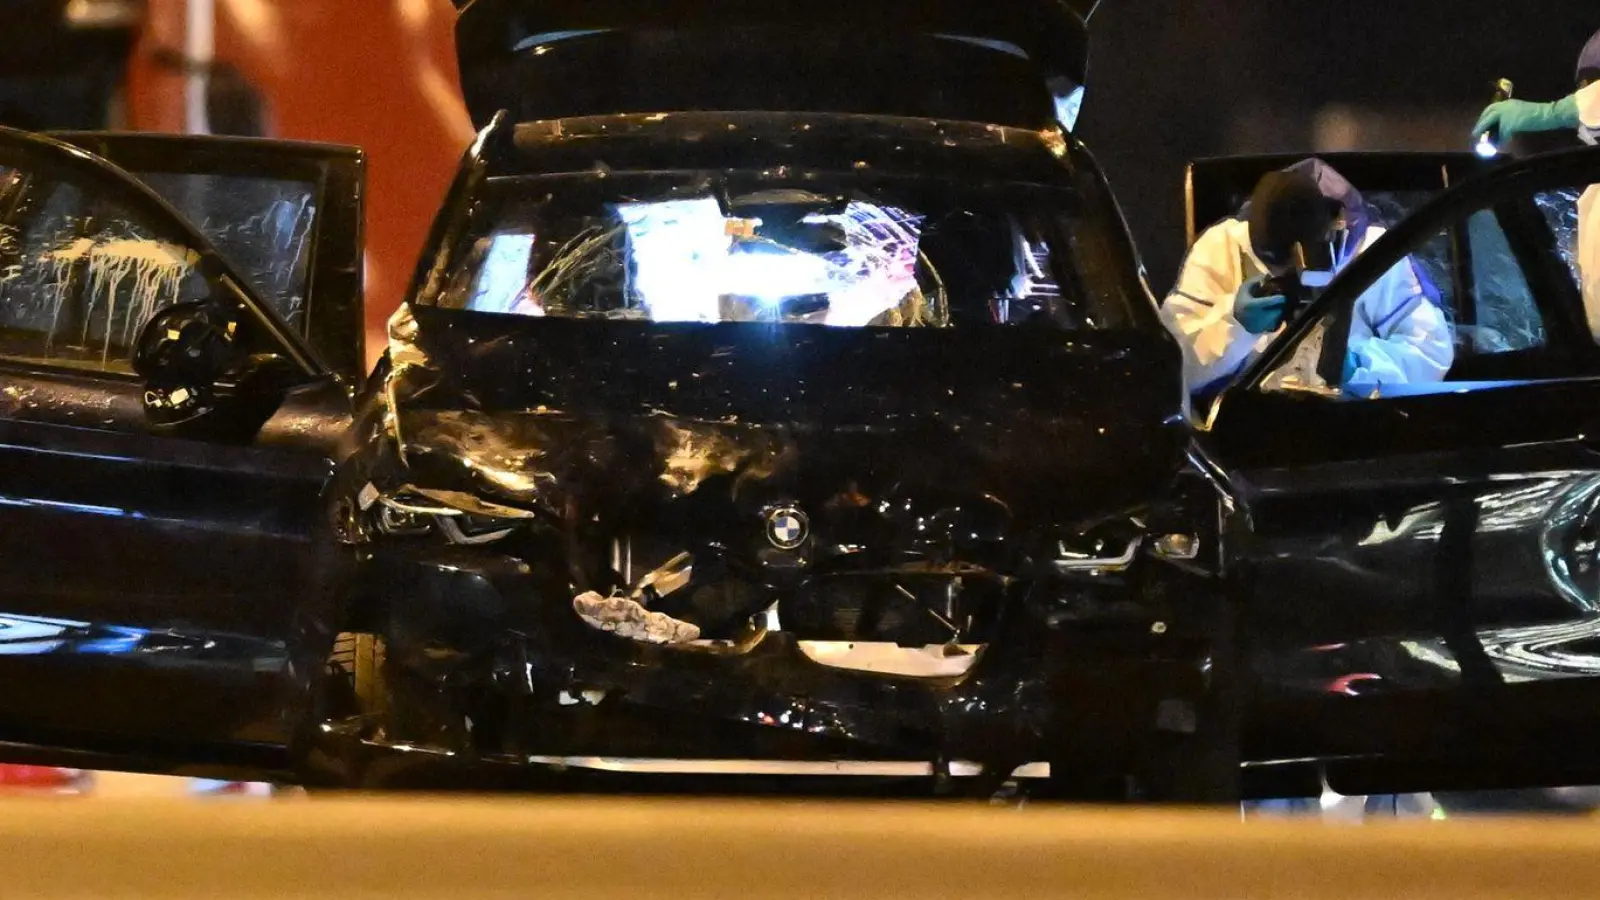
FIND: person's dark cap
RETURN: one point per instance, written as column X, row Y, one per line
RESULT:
column 1589, row 60
column 1288, row 208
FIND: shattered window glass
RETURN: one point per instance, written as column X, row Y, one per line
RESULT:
column 1390, row 208
column 674, row 247
column 1507, row 315
column 1433, row 262
column 265, row 226
column 80, row 274
column 1560, row 209
column 1571, row 213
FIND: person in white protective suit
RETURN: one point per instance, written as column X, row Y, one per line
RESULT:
column 1579, row 111
column 1306, row 223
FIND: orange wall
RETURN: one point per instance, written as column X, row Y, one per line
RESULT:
column 379, row 74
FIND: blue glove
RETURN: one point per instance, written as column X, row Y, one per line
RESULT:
column 1258, row 315
column 1352, row 362
column 1510, row 118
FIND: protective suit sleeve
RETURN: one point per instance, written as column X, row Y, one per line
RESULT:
column 1589, row 112
column 1199, row 311
column 1513, row 117
column 1589, row 255
column 1589, row 212
column 1398, row 335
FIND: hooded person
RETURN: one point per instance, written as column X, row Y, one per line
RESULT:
column 1302, row 225
column 1579, row 111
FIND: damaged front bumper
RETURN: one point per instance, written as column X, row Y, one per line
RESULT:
column 490, row 662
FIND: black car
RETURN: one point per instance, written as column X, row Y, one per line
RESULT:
column 1415, row 566
column 784, row 441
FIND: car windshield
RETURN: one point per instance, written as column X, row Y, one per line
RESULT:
column 779, row 247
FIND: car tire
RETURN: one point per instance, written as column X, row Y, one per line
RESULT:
column 1152, row 736
column 1197, row 769
column 362, row 688
column 349, row 702
column 1204, row 765
column 358, row 660
column 1201, row 768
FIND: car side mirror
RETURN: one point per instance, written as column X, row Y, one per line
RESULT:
column 183, row 353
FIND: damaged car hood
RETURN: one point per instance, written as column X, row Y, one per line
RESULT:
column 545, row 413
column 1020, row 63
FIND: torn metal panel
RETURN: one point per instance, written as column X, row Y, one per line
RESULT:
column 450, row 503
column 627, row 618
column 675, row 573
column 997, row 708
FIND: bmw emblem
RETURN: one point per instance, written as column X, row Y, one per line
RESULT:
column 787, row 527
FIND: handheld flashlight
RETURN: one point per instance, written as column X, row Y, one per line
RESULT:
column 1489, row 142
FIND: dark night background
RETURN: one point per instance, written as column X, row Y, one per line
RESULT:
column 1172, row 80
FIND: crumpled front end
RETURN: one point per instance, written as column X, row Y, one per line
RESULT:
column 630, row 562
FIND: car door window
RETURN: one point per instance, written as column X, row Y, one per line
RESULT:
column 1560, row 209
column 1390, row 208
column 266, row 226
column 1572, row 214
column 1491, row 308
column 1504, row 315
column 1505, row 276
column 81, row 272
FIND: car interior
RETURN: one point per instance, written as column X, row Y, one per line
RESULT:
column 1506, row 276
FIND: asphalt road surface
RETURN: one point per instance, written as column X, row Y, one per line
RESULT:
column 433, row 849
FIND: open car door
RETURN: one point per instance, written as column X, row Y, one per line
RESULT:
column 289, row 215
column 168, row 428
column 1419, row 564
column 1393, row 184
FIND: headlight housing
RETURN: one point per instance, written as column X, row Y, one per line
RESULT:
column 1110, row 546
column 461, row 518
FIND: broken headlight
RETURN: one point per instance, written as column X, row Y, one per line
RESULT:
column 1106, row 547
column 459, row 517
column 401, row 523
column 1113, row 546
